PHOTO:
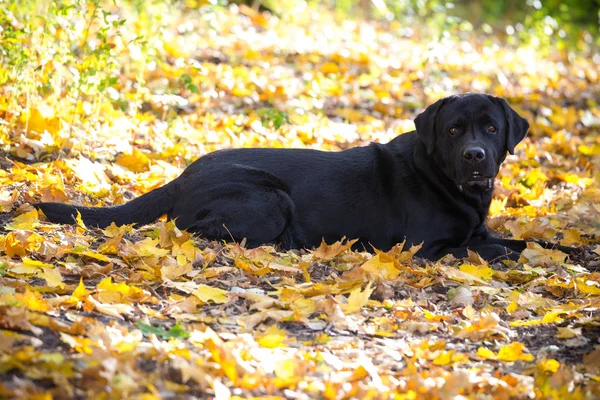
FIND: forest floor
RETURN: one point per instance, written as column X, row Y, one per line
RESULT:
column 100, row 105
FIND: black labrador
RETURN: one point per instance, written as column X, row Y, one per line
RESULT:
column 433, row 185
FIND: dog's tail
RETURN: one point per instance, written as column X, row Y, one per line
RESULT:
column 141, row 211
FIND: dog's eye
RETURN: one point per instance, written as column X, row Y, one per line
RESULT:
column 491, row 128
column 452, row 131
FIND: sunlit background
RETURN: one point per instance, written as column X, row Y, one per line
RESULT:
column 102, row 100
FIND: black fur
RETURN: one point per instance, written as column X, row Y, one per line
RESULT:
column 420, row 186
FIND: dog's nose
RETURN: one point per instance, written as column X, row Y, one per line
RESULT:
column 474, row 154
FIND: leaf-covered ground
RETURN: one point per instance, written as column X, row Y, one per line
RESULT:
column 101, row 104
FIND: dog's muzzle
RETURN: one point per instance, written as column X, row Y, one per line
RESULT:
column 476, row 180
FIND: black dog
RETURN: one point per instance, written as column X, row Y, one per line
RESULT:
column 433, row 185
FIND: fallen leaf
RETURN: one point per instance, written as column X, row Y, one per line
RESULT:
column 327, row 252
column 358, row 299
column 514, row 352
column 207, row 293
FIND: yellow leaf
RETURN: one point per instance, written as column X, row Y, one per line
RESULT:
column 114, row 310
column 359, row 373
column 303, row 306
column 85, row 251
column 52, row 276
column 449, row 357
column 80, row 292
column 222, row 355
column 23, row 269
column 207, row 293
column 175, row 270
column 136, row 161
column 589, row 151
column 576, row 179
column 33, row 301
column 457, row 274
column 512, row 307
column 35, row 263
column 587, row 286
column 497, row 206
column 273, row 337
column 381, row 266
column 26, row 222
column 537, row 255
column 287, row 373
column 435, row 317
column 514, row 352
column 525, row 228
column 106, row 284
column 478, row 271
column 111, row 245
column 485, row 326
column 357, row 299
column 330, row 68
column 80, row 344
column 148, row 248
column 187, row 249
column 568, row 332
column 80, row 221
column 552, row 317
column 113, row 230
column 486, row 353
column 571, row 236
column 526, row 323
column 52, row 187
column 19, row 243
column 41, row 117
column 550, row 365
column 93, row 178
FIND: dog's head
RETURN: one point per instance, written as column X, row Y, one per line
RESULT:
column 468, row 136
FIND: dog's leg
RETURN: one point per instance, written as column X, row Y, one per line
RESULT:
column 520, row 245
column 237, row 211
column 482, row 237
column 489, row 252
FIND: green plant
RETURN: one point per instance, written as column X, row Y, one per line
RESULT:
column 272, row 116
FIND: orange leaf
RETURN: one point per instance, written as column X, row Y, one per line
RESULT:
column 327, row 252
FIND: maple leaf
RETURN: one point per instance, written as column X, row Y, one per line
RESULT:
column 27, row 221
column 174, row 268
column 327, row 252
column 381, row 267
column 537, row 255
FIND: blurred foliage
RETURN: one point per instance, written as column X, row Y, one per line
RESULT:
column 540, row 22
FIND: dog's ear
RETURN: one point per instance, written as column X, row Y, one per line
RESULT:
column 517, row 126
column 425, row 124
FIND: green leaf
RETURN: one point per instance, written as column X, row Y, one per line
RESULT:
column 272, row 116
column 175, row 332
